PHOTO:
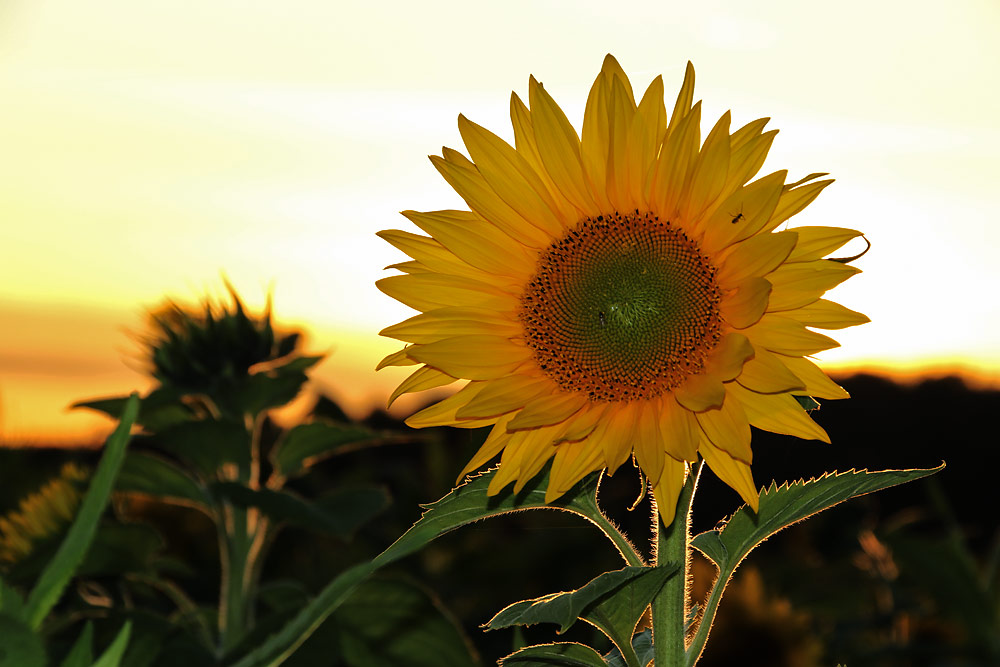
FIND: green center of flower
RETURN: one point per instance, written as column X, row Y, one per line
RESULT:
column 623, row 307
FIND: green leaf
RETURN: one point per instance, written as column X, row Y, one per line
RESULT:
column 470, row 502
column 386, row 623
column 808, row 403
column 19, row 645
column 82, row 654
column 60, row 569
column 642, row 645
column 112, row 656
column 307, row 442
column 466, row 504
column 298, row 364
column 782, row 506
column 262, row 391
column 11, row 602
column 565, row 654
column 206, row 445
column 613, row 602
column 158, row 409
column 154, row 476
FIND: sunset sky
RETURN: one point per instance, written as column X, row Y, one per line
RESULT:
column 149, row 148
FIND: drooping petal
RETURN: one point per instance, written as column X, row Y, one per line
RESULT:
column 443, row 412
column 700, row 392
column 726, row 361
column 779, row 413
column 422, row 379
column 547, row 410
column 816, row 382
column 727, row 427
column 766, row 374
column 732, row 471
column 505, row 394
column 787, row 336
column 667, row 488
column 494, row 444
column 680, row 430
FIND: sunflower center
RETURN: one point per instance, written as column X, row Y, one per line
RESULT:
column 623, row 307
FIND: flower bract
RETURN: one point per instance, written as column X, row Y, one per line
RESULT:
column 627, row 292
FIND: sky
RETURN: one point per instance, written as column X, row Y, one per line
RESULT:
column 151, row 148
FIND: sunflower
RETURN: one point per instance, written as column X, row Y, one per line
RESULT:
column 618, row 294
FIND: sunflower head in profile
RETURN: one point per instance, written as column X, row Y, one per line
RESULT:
column 622, row 293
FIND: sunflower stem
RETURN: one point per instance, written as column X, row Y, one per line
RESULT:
column 670, row 604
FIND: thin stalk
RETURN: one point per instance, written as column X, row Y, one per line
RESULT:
column 670, row 604
column 707, row 617
column 625, row 547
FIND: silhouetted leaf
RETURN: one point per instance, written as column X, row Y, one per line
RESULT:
column 151, row 475
column 341, row 514
column 206, row 445
column 159, row 409
column 262, row 391
column 305, row 442
column 60, row 569
column 782, row 506
column 555, row 655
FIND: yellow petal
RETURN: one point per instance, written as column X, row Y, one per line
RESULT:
column 477, row 242
column 750, row 206
column 539, row 447
column 732, row 471
column 400, row 358
column 679, row 430
column 476, row 357
column 682, row 107
column 818, row 242
column 621, row 111
column 746, row 159
column 572, row 462
column 524, row 142
column 595, row 142
column 710, row 171
column 816, row 382
column 494, row 444
column 673, row 166
column 794, row 200
column 428, row 291
column 619, row 434
column 505, row 394
column 727, row 427
column 510, row 463
column 511, row 177
column 779, row 413
column 547, row 410
column 824, row 314
column 802, row 283
column 746, row 304
column 613, row 70
column 787, row 336
column 649, row 443
column 559, row 148
column 473, row 188
column 756, row 256
column 648, row 127
column 700, row 392
column 726, row 361
column 430, row 253
column 442, row 413
column 422, row 379
column 766, row 374
column 447, row 322
column 584, row 423
column 667, row 488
